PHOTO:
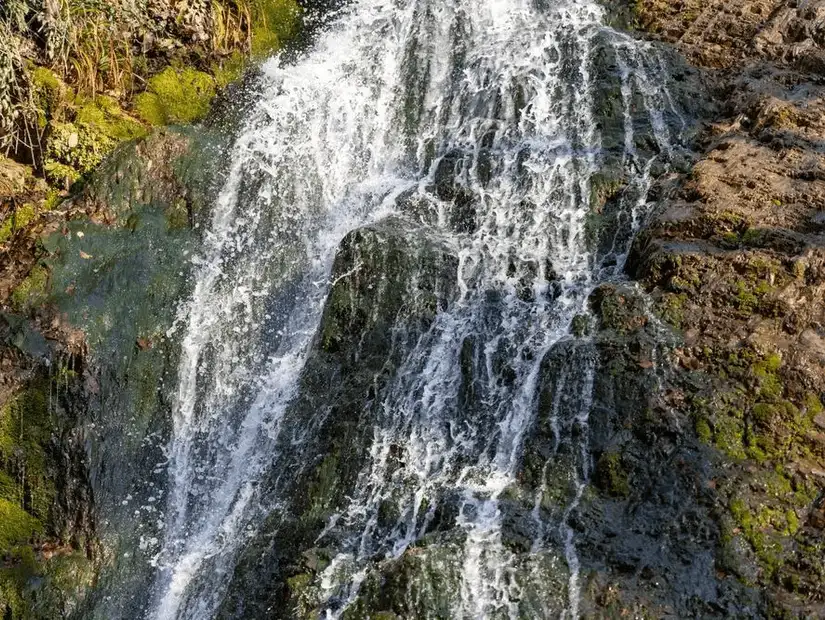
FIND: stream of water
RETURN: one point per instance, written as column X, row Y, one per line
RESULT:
column 506, row 91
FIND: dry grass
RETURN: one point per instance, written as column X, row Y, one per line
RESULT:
column 232, row 26
column 108, row 46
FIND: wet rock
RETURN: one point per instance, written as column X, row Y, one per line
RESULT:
column 389, row 281
column 733, row 260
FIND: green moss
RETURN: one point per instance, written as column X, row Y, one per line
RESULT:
column 229, row 69
column 44, row 589
column 756, row 453
column 79, row 146
column 60, row 174
column 740, row 513
column 298, row 584
column 321, row 489
column 672, row 308
column 25, row 431
column 778, row 428
column 53, row 198
column 728, row 436
column 703, row 430
column 149, row 107
column 725, row 225
column 777, row 483
column 792, row 521
column 759, row 277
column 274, row 23
column 753, row 417
column 32, row 292
column 176, row 97
column 9, row 489
column 753, row 237
column 105, row 116
column 678, row 273
column 80, row 136
column 50, row 93
column 603, row 188
column 813, row 405
column 46, row 82
column 619, row 309
column 805, row 493
column 581, row 325
column 16, row 525
column 765, row 372
column 730, row 239
column 611, row 475
column 745, row 299
column 758, row 529
column 301, row 594
column 18, row 220
column 19, row 567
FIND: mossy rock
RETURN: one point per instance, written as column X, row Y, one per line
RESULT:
column 105, row 115
column 18, row 220
column 25, row 432
column 581, row 325
column 671, row 308
column 45, row 589
column 422, row 582
column 322, row 490
column 176, row 97
column 229, row 69
column 603, row 188
column 32, row 292
column 611, row 476
column 619, row 308
column 368, row 298
column 79, row 131
column 76, row 148
column 16, row 525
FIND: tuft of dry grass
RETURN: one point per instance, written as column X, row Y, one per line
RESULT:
column 232, row 26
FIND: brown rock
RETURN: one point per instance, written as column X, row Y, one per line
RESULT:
column 14, row 178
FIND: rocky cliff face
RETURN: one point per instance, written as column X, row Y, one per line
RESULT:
column 707, row 428
column 733, row 262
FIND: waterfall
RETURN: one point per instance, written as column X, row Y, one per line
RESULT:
column 500, row 94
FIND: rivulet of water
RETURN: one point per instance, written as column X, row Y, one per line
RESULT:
column 507, row 93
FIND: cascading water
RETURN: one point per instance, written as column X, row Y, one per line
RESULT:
column 501, row 95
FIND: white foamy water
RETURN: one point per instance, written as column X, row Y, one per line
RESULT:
column 503, row 90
